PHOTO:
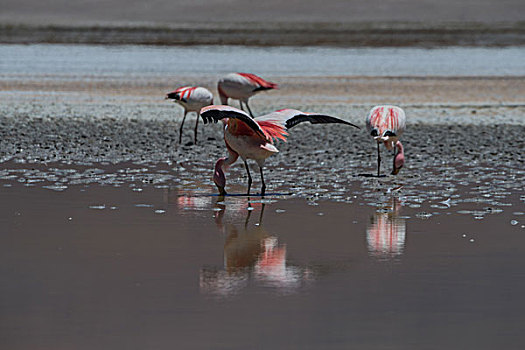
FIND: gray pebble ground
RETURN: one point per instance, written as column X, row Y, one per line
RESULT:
column 475, row 152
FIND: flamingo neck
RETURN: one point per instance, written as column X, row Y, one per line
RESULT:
column 218, row 176
column 399, row 158
column 223, row 96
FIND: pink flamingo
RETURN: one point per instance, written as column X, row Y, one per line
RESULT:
column 253, row 138
column 386, row 124
column 242, row 86
column 192, row 99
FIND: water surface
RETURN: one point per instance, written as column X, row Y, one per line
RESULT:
column 110, row 268
column 48, row 59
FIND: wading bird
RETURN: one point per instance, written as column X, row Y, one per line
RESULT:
column 242, row 86
column 252, row 138
column 192, row 99
column 386, row 124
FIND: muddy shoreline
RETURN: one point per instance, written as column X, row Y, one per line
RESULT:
column 317, row 163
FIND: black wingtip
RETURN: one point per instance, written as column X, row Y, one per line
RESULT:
column 355, row 126
column 204, row 119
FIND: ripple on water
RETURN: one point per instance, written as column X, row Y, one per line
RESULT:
column 423, row 215
column 57, row 188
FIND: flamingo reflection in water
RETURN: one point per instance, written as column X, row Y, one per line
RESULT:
column 187, row 199
column 386, row 233
column 251, row 256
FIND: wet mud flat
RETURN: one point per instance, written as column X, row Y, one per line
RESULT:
column 321, row 161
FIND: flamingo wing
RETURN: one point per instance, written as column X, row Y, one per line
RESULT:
column 259, row 82
column 214, row 113
column 291, row 117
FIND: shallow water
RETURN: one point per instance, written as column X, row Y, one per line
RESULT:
column 101, row 267
column 92, row 60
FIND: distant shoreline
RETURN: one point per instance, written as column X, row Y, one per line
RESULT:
column 276, row 34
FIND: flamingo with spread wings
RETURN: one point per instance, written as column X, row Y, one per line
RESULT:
column 252, row 138
column 192, row 99
column 386, row 124
column 242, row 86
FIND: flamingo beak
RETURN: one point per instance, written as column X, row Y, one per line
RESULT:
column 222, row 191
column 395, row 171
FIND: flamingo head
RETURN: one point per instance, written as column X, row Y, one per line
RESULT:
column 218, row 176
column 174, row 95
column 399, row 158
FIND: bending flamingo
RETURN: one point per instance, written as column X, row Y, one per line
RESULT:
column 242, row 86
column 192, row 99
column 253, row 138
column 386, row 124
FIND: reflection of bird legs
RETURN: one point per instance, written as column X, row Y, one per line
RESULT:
column 250, row 213
column 219, row 214
column 262, row 212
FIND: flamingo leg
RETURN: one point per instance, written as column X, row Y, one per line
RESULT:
column 196, row 126
column 240, row 104
column 249, row 176
column 249, row 110
column 181, row 125
column 378, row 160
column 263, row 187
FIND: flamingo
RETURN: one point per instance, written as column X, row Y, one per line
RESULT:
column 386, row 124
column 252, row 138
column 192, row 99
column 242, row 86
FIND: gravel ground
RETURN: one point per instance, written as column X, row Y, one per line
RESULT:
column 484, row 161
